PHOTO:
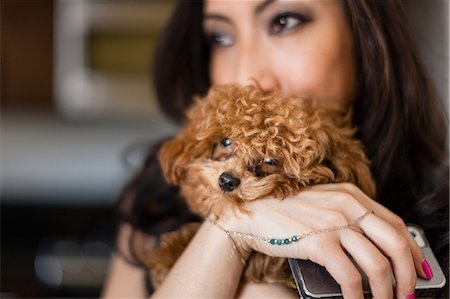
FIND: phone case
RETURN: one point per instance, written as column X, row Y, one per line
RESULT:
column 313, row 280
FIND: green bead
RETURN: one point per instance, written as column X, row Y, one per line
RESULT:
column 286, row 241
column 279, row 242
column 272, row 241
column 294, row 239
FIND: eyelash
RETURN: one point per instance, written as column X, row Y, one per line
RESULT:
column 216, row 39
column 299, row 19
column 219, row 39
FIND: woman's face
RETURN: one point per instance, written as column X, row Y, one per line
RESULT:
column 302, row 47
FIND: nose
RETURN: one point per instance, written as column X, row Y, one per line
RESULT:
column 255, row 68
column 266, row 84
column 228, row 182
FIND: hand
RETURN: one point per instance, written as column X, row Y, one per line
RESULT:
column 385, row 248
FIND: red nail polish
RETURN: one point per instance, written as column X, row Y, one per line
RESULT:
column 427, row 269
column 412, row 295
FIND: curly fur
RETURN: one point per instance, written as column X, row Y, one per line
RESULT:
column 310, row 144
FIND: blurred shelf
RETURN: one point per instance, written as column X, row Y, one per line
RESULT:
column 45, row 159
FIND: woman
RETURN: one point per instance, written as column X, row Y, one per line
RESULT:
column 357, row 53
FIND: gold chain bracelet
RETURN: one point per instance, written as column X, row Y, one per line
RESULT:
column 295, row 238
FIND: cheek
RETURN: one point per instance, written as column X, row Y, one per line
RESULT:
column 322, row 72
column 222, row 68
column 214, row 72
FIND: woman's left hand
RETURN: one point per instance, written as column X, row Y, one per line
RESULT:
column 348, row 192
column 385, row 247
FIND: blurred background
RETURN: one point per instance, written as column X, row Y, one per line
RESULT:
column 77, row 113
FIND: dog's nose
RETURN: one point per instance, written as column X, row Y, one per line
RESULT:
column 228, row 182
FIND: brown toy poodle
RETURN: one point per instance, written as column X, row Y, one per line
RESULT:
column 240, row 144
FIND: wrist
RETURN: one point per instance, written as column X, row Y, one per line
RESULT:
column 233, row 220
column 240, row 250
column 208, row 265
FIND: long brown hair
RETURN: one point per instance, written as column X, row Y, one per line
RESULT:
column 401, row 120
column 397, row 112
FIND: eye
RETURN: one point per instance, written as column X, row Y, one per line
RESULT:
column 226, row 142
column 223, row 150
column 286, row 22
column 270, row 161
column 265, row 167
column 220, row 40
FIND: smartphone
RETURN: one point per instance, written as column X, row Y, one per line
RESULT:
column 313, row 280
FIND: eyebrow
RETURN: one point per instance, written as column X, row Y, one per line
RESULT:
column 258, row 10
column 263, row 6
column 215, row 17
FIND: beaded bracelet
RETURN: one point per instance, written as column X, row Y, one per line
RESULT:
column 295, row 238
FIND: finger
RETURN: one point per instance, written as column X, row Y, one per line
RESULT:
column 394, row 245
column 339, row 266
column 345, row 274
column 398, row 223
column 372, row 262
column 381, row 212
column 395, row 221
column 417, row 255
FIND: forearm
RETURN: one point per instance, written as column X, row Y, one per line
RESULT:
column 209, row 267
column 124, row 280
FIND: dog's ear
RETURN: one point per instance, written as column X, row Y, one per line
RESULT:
column 345, row 155
column 172, row 158
column 190, row 144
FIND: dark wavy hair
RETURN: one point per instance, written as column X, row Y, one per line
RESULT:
column 398, row 114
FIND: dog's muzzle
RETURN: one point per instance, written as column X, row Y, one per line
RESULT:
column 228, row 182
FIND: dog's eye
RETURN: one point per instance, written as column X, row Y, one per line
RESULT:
column 223, row 150
column 270, row 161
column 265, row 167
column 226, row 142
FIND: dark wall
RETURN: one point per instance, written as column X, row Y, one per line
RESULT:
column 26, row 54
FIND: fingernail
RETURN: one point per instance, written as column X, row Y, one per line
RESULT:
column 427, row 269
column 412, row 295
